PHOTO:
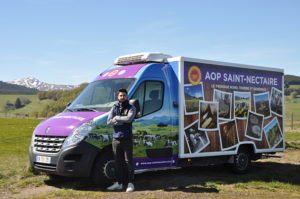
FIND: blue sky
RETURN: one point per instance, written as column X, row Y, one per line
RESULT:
column 70, row 42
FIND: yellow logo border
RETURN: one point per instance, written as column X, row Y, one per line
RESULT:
column 190, row 75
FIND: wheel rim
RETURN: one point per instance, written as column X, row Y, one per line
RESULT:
column 242, row 161
column 109, row 169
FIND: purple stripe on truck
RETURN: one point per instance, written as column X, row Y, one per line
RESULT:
column 152, row 163
column 121, row 72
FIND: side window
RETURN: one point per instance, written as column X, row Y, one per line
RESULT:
column 150, row 96
column 139, row 95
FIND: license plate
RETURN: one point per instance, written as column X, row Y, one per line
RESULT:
column 43, row 159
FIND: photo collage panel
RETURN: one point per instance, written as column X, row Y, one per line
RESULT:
column 221, row 114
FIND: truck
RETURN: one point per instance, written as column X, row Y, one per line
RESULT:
column 191, row 112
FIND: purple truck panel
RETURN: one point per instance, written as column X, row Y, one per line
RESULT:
column 121, row 72
column 152, row 163
column 64, row 123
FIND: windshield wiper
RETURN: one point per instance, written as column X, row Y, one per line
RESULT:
column 86, row 109
column 68, row 109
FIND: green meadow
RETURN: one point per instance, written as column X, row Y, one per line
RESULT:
column 268, row 178
column 292, row 106
column 276, row 178
column 35, row 105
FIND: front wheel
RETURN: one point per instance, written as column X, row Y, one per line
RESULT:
column 242, row 161
column 104, row 169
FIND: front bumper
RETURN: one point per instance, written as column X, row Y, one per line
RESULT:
column 73, row 161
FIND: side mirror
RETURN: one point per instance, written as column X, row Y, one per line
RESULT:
column 136, row 104
column 175, row 104
column 68, row 104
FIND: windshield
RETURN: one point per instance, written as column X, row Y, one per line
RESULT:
column 100, row 95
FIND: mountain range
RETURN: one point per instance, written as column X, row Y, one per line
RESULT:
column 31, row 82
column 12, row 89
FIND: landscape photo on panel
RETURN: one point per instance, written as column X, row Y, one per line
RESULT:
column 262, row 104
column 208, row 116
column 228, row 135
column 192, row 95
column 276, row 101
column 273, row 133
column 197, row 140
column 254, row 126
column 242, row 104
column 225, row 104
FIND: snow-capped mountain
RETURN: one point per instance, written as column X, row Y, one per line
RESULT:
column 32, row 82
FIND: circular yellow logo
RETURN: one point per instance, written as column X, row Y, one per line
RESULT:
column 194, row 75
column 113, row 73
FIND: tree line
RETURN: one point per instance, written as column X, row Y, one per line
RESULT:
column 60, row 100
column 19, row 103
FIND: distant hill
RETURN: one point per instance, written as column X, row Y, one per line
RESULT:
column 291, row 80
column 31, row 82
column 7, row 88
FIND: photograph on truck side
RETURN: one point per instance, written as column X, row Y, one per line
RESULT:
column 225, row 103
column 189, row 112
column 276, row 101
column 228, row 135
column 196, row 139
column 242, row 104
column 192, row 95
column 273, row 133
column 254, row 126
column 262, row 104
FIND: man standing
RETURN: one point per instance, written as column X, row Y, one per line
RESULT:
column 120, row 117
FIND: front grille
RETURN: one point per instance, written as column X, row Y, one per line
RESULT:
column 49, row 144
column 49, row 167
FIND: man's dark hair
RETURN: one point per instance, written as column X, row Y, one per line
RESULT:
column 122, row 90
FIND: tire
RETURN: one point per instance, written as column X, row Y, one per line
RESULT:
column 103, row 173
column 241, row 162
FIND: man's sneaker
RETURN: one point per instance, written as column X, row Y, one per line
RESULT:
column 130, row 187
column 115, row 186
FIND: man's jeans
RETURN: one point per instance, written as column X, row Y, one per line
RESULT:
column 122, row 149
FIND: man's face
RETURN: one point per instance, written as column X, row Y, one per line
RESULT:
column 122, row 97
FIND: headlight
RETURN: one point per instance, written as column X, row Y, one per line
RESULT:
column 79, row 133
column 32, row 140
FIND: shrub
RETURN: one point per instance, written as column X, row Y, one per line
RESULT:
column 294, row 94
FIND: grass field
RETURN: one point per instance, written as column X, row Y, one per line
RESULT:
column 292, row 106
column 294, row 86
column 269, row 178
column 35, row 105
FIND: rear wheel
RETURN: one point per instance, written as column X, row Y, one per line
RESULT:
column 104, row 169
column 242, row 161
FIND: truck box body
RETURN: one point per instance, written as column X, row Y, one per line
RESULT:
column 228, row 105
column 189, row 109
